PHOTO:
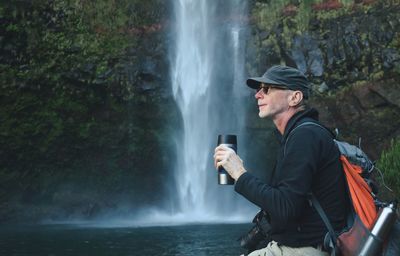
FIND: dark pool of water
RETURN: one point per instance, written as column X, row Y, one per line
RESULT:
column 185, row 240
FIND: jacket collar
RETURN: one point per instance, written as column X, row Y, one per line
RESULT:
column 311, row 114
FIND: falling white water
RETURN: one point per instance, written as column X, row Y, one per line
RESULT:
column 191, row 79
column 208, row 84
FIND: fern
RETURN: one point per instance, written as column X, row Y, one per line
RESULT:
column 389, row 164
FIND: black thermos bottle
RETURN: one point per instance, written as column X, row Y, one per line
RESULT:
column 223, row 176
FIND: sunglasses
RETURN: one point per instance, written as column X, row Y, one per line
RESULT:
column 265, row 88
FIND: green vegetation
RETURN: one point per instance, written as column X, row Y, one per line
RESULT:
column 389, row 164
column 299, row 13
column 43, row 40
column 77, row 128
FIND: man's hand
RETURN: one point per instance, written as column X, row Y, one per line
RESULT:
column 229, row 160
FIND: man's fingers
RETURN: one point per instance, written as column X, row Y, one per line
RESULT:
column 221, row 147
column 220, row 163
column 227, row 158
column 216, row 162
column 222, row 155
column 220, row 158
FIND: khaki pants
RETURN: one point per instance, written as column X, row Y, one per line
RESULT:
column 273, row 249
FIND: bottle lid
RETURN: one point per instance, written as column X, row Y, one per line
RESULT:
column 227, row 139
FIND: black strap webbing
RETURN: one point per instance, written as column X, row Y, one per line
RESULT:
column 324, row 218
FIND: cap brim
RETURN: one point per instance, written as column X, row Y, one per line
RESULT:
column 255, row 82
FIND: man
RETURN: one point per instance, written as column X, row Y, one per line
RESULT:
column 308, row 161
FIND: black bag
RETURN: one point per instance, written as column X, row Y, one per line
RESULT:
column 259, row 235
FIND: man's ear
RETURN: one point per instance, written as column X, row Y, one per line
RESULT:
column 295, row 98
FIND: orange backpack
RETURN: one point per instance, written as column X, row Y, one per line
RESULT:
column 360, row 193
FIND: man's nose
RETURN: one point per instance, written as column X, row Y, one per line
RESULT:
column 258, row 94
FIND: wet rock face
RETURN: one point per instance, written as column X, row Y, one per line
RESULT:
column 307, row 55
column 86, row 98
column 348, row 48
column 369, row 111
column 359, row 47
column 151, row 67
column 389, row 91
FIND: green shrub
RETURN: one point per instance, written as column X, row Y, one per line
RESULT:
column 389, row 164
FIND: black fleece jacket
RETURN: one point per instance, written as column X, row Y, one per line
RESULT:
column 310, row 164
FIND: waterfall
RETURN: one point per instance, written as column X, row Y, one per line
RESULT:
column 191, row 75
column 208, row 83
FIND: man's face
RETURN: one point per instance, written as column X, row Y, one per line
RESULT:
column 272, row 101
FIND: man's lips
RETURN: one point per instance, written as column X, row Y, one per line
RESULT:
column 262, row 105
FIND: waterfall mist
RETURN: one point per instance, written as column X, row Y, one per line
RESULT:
column 207, row 71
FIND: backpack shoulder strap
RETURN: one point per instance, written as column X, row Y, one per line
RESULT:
column 301, row 125
column 315, row 203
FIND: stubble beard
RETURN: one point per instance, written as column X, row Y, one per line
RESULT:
column 263, row 114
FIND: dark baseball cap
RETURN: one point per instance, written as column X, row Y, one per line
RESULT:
column 282, row 76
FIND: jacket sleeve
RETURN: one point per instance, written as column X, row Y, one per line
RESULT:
column 284, row 201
